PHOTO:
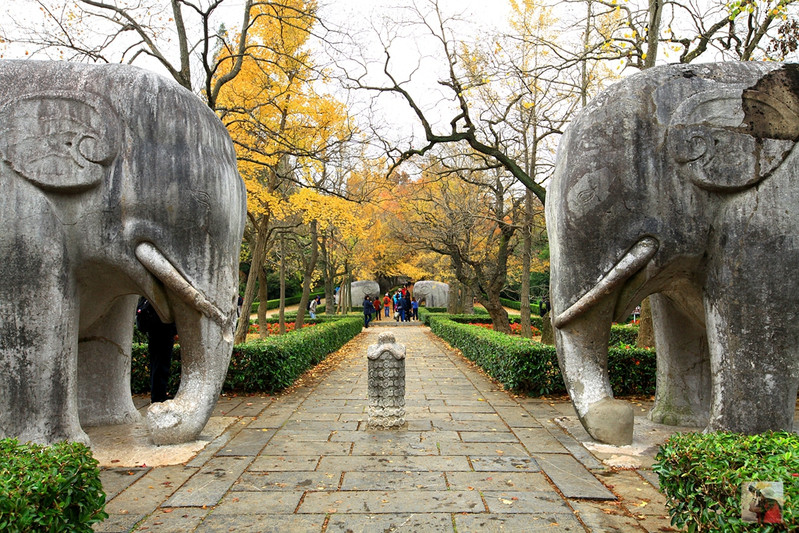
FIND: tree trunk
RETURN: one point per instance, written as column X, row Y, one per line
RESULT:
column 330, row 290
column 249, row 292
column 282, row 311
column 497, row 312
column 646, row 334
column 524, row 296
column 310, row 266
column 263, row 296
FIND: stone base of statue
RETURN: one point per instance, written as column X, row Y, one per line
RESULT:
column 386, row 383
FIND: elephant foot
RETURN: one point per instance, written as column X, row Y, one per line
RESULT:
column 51, row 437
column 172, row 422
column 676, row 417
column 610, row 421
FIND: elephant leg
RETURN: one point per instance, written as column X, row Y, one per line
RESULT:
column 38, row 343
column 753, row 333
column 104, row 360
column 683, row 366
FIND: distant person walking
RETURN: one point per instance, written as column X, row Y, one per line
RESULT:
column 386, row 303
column 313, row 305
column 368, row 309
column 415, row 309
column 377, row 306
column 407, row 307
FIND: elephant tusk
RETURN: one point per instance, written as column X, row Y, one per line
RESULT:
column 155, row 262
column 628, row 265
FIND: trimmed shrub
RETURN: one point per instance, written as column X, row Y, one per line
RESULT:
column 264, row 365
column 528, row 366
column 274, row 363
column 291, row 300
column 623, row 334
column 701, row 476
column 534, row 309
column 55, row 488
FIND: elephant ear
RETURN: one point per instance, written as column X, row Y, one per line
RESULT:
column 61, row 142
column 715, row 148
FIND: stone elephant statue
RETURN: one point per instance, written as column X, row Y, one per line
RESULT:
column 680, row 183
column 118, row 183
column 432, row 293
column 362, row 288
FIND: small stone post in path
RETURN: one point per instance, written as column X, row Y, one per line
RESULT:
column 386, row 382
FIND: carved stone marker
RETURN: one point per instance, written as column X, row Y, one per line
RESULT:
column 386, row 382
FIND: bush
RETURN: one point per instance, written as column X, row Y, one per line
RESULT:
column 54, row 488
column 528, row 366
column 291, row 300
column 274, row 363
column 701, row 476
column 623, row 334
column 264, row 365
column 513, row 304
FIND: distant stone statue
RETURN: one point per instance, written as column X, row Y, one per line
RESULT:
column 361, row 289
column 680, row 182
column 432, row 293
column 386, row 382
column 117, row 182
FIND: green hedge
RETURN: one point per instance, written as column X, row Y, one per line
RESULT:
column 625, row 334
column 291, row 300
column 54, row 488
column 528, row 366
column 701, row 476
column 264, row 365
column 534, row 308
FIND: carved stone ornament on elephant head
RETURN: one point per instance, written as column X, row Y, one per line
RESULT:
column 117, row 183
column 680, row 183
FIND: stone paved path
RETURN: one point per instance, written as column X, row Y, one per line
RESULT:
column 472, row 458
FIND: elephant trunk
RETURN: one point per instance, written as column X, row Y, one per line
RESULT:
column 583, row 357
column 582, row 333
column 206, row 344
column 205, row 348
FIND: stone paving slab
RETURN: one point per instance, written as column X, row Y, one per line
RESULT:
column 115, row 480
column 499, row 481
column 247, row 442
column 572, row 478
column 417, row 522
column 257, row 503
column 174, row 520
column 504, row 463
column 527, row 523
column 263, row 523
column 525, row 502
column 286, row 481
column 394, row 481
column 397, row 463
column 369, row 501
column 206, row 487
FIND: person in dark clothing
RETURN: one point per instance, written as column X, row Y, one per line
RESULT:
column 368, row 309
column 160, row 340
column 407, row 307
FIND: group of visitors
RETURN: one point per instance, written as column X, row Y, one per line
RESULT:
column 402, row 304
column 406, row 308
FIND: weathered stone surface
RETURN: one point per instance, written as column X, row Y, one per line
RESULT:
column 431, row 293
column 117, row 182
column 386, row 382
column 679, row 183
column 360, row 289
column 571, row 478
